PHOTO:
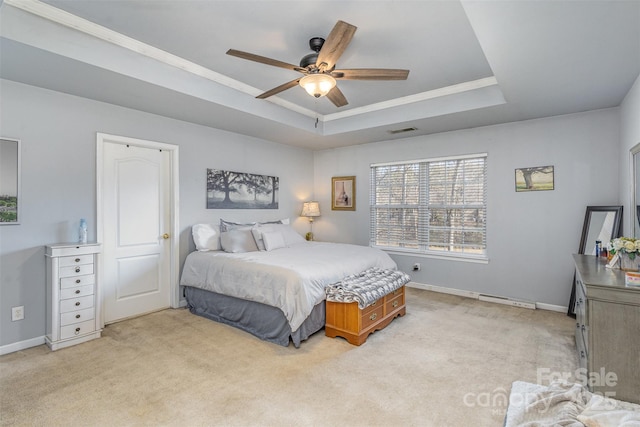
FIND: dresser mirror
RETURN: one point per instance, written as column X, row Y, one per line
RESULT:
column 600, row 223
column 635, row 190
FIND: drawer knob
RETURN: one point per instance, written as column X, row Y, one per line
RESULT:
column 374, row 303
column 77, row 280
column 582, row 354
column 77, row 259
column 77, row 316
column 77, row 331
column 77, row 269
column 395, row 304
column 373, row 316
column 77, row 291
column 77, row 303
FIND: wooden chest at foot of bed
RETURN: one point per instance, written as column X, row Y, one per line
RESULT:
column 347, row 320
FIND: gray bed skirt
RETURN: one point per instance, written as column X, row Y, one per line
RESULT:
column 263, row 321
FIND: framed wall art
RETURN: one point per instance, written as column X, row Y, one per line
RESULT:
column 239, row 190
column 9, row 181
column 537, row 178
column 343, row 193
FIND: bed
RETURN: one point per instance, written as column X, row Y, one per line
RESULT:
column 276, row 294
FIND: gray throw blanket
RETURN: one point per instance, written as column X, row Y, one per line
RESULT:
column 366, row 287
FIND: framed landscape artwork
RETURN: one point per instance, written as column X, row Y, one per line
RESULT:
column 239, row 190
column 343, row 193
column 537, row 178
column 9, row 181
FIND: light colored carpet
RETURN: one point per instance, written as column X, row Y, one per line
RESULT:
column 449, row 361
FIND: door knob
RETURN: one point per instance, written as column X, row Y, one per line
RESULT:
column 165, row 236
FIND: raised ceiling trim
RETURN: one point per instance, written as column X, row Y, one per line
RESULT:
column 85, row 26
column 418, row 97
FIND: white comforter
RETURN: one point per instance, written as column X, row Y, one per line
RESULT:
column 292, row 279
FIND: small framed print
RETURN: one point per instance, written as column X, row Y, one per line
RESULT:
column 537, row 178
column 343, row 193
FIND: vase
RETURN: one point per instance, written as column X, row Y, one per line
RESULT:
column 628, row 264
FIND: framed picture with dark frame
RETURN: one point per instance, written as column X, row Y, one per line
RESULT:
column 343, row 193
column 9, row 181
column 537, row 178
column 240, row 190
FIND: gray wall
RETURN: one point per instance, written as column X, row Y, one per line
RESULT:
column 629, row 137
column 531, row 235
column 58, row 134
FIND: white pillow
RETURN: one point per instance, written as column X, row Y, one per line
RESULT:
column 257, row 235
column 238, row 240
column 273, row 240
column 290, row 235
column 206, row 237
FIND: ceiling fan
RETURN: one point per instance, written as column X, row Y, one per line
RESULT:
column 319, row 70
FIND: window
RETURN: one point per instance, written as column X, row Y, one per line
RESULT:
column 433, row 206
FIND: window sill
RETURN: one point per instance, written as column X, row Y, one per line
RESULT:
column 448, row 257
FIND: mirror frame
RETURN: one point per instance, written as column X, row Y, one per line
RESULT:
column 634, row 212
column 615, row 232
column 617, row 221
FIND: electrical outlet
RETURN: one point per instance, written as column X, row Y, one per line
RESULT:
column 17, row 313
column 416, row 266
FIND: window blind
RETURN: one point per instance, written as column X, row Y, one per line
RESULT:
column 432, row 205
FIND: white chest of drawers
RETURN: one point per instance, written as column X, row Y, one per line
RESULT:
column 73, row 294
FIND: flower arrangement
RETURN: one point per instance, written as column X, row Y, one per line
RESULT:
column 625, row 245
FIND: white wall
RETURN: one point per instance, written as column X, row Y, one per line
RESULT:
column 58, row 134
column 531, row 235
column 629, row 137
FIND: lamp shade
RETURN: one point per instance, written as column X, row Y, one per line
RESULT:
column 318, row 84
column 310, row 209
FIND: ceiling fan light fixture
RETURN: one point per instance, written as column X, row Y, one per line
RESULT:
column 318, row 85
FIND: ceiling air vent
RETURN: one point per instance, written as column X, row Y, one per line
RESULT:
column 396, row 131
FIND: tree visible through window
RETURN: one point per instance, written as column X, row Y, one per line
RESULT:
column 435, row 205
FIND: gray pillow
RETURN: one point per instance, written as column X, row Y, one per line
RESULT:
column 228, row 225
column 238, row 240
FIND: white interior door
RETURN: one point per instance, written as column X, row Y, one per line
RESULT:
column 136, row 185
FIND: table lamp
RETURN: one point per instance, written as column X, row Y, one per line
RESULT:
column 310, row 210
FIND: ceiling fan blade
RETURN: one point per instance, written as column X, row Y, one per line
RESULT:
column 370, row 74
column 336, row 96
column 262, row 59
column 279, row 89
column 335, row 44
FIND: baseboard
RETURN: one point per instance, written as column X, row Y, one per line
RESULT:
column 488, row 298
column 443, row 290
column 21, row 345
column 507, row 301
column 552, row 307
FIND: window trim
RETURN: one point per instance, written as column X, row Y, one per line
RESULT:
column 426, row 253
